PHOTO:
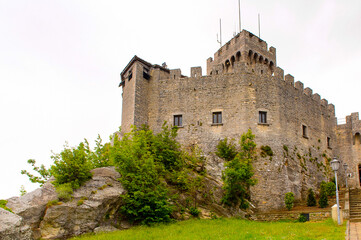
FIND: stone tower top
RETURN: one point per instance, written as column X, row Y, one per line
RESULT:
column 244, row 47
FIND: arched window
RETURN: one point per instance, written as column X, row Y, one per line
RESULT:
column 255, row 58
column 227, row 63
column 233, row 59
column 238, row 56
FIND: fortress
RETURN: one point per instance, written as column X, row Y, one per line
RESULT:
column 245, row 89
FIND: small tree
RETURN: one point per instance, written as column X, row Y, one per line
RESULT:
column 331, row 189
column 323, row 201
column 311, row 200
column 237, row 176
column 289, row 200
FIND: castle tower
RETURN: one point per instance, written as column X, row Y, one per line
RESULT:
column 135, row 82
column 243, row 48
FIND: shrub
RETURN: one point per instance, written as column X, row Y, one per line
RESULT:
column 237, row 176
column 64, row 192
column 330, row 189
column 226, row 150
column 3, row 205
column 289, row 200
column 311, row 200
column 302, row 218
column 323, row 201
column 53, row 203
column 143, row 159
column 266, row 151
column 71, row 166
column 194, row 211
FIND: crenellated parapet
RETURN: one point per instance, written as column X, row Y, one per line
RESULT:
column 244, row 47
column 290, row 81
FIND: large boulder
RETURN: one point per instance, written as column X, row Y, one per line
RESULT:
column 31, row 207
column 95, row 204
column 12, row 227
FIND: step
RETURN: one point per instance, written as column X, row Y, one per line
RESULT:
column 355, row 219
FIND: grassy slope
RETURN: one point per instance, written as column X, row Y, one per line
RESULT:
column 228, row 229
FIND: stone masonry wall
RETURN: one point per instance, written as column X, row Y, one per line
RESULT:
column 349, row 147
column 298, row 162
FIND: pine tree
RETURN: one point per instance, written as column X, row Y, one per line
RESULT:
column 311, row 200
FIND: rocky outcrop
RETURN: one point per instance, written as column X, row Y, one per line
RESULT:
column 12, row 227
column 31, row 207
column 94, row 205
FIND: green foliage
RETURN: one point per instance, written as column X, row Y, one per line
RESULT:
column 144, row 161
column 266, row 151
column 72, row 166
column 81, row 201
column 226, row 150
column 238, row 174
column 331, row 189
column 194, row 211
column 146, row 199
column 302, row 218
column 311, row 200
column 99, row 157
column 3, row 205
column 22, row 190
column 44, row 174
column 323, row 201
column 289, row 200
column 64, row 192
column 53, row 203
column 285, row 148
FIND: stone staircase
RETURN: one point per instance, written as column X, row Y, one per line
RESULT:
column 355, row 205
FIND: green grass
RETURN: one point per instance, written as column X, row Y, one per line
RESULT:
column 230, row 229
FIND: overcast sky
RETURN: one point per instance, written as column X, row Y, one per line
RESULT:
column 60, row 61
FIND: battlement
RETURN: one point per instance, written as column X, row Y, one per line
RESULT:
column 244, row 47
column 289, row 80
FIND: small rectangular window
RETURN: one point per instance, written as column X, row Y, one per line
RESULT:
column 130, row 75
column 304, row 131
column 262, row 117
column 217, row 117
column 177, row 120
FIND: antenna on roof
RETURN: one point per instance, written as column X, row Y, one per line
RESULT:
column 239, row 15
column 220, row 33
column 259, row 26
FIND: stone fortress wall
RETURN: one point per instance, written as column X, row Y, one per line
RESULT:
column 349, row 147
column 242, row 82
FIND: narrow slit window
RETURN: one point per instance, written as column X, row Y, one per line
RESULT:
column 262, row 117
column 178, row 120
column 304, row 131
column 328, row 142
column 217, row 118
column 130, row 75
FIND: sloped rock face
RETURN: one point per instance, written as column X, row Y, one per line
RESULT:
column 12, row 227
column 95, row 204
column 31, row 207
